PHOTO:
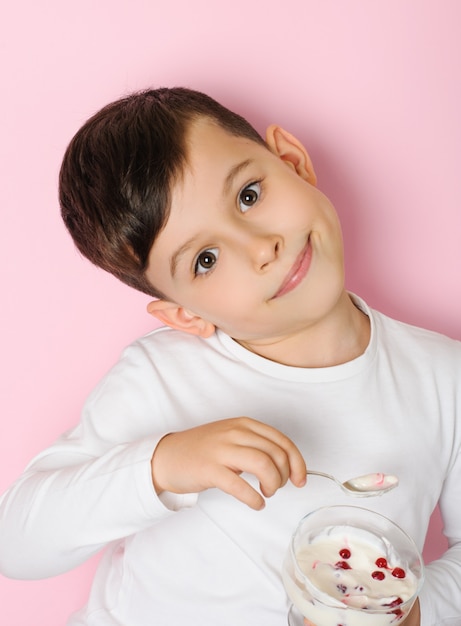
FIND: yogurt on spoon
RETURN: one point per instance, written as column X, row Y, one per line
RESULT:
column 372, row 482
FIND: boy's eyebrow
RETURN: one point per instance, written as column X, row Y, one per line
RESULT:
column 233, row 173
column 179, row 253
column 227, row 186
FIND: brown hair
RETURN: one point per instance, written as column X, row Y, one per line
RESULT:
column 117, row 173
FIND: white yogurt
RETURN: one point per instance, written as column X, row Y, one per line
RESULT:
column 357, row 578
column 373, row 482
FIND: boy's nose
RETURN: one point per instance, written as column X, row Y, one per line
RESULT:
column 264, row 250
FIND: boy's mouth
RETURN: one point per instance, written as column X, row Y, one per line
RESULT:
column 297, row 272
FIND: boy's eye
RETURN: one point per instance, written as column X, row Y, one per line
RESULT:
column 205, row 261
column 249, row 196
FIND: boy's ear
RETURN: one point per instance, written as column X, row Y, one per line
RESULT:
column 180, row 318
column 289, row 149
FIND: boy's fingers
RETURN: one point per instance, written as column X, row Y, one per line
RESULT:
column 232, row 484
column 285, row 453
column 259, row 462
column 264, row 452
column 270, row 464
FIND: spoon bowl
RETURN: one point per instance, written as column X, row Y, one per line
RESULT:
column 366, row 486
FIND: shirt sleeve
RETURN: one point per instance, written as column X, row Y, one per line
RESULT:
column 94, row 485
column 440, row 599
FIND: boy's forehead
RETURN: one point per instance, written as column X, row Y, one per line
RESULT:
column 213, row 159
column 206, row 137
column 212, row 153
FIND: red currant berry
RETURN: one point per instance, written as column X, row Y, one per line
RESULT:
column 394, row 603
column 342, row 565
column 381, row 562
column 398, row 572
column 345, row 553
column 378, row 575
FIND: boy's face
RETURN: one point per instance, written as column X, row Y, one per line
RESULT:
column 250, row 246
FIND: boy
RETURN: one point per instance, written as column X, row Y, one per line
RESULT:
column 189, row 461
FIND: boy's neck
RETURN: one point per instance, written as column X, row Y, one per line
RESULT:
column 341, row 337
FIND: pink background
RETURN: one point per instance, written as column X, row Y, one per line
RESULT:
column 372, row 89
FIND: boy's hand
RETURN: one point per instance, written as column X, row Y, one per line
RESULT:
column 215, row 454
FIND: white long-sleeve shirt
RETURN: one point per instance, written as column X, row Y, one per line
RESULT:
column 208, row 559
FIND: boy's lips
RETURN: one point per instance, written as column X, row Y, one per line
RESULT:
column 297, row 272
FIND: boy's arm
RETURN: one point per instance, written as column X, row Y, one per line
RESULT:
column 67, row 506
column 440, row 597
column 94, row 485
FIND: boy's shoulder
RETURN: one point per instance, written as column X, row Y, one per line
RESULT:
column 164, row 344
column 415, row 341
column 166, row 338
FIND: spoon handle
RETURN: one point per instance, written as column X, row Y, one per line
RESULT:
column 314, row 473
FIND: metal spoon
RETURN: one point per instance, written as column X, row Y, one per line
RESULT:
column 363, row 486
